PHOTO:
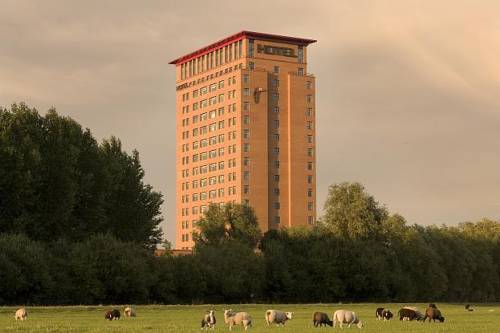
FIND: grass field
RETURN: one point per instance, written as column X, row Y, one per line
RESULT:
column 156, row 318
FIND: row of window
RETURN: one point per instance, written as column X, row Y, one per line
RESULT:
column 212, row 59
column 208, row 154
column 232, row 163
column 212, row 167
column 209, row 128
column 208, row 77
column 213, row 140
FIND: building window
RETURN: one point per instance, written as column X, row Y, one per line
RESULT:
column 246, row 78
column 250, row 48
column 276, row 109
column 276, row 205
column 277, row 219
column 276, row 124
column 246, row 189
column 246, row 91
column 310, row 220
column 300, row 71
column 276, row 191
column 276, row 69
column 246, row 120
column 251, row 65
column 246, row 161
column 246, row 147
column 277, row 164
column 246, row 134
column 300, row 54
column 246, row 106
column 276, row 83
column 309, row 165
column 309, row 125
column 276, row 178
column 309, row 192
column 276, row 150
column 246, row 175
column 276, row 96
column 309, row 206
column 308, row 84
column 309, row 179
column 310, row 152
column 309, row 98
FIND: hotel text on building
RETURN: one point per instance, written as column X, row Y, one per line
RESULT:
column 245, row 111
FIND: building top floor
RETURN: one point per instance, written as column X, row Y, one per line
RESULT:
column 245, row 44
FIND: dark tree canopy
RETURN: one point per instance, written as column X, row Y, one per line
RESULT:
column 352, row 213
column 56, row 181
column 231, row 222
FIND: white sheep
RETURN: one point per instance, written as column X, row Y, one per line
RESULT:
column 237, row 318
column 129, row 312
column 346, row 317
column 277, row 317
column 21, row 314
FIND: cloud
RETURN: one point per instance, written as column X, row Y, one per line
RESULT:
column 407, row 91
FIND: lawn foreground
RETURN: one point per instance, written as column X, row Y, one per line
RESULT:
column 185, row 318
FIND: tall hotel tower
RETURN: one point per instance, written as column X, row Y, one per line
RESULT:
column 245, row 109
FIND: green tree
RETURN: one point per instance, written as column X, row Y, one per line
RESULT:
column 132, row 207
column 57, row 182
column 232, row 222
column 352, row 213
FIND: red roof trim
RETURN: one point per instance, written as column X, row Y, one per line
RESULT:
column 241, row 35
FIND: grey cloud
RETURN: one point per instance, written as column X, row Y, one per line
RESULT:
column 407, row 91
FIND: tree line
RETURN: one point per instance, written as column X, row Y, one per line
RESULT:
column 53, row 172
column 57, row 182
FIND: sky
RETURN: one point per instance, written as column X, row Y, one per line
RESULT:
column 408, row 92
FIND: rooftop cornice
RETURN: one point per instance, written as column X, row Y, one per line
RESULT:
column 238, row 36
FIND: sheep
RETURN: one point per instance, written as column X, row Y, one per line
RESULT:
column 208, row 320
column 433, row 313
column 237, row 318
column 468, row 307
column 21, row 314
column 410, row 313
column 129, row 312
column 277, row 317
column 382, row 313
column 346, row 317
column 320, row 319
column 112, row 314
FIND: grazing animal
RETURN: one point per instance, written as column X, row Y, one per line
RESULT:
column 21, row 314
column 129, row 312
column 277, row 317
column 208, row 320
column 346, row 317
column 382, row 313
column 433, row 313
column 410, row 313
column 112, row 314
column 468, row 307
column 321, row 319
column 237, row 318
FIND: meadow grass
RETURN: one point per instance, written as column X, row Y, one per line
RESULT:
column 185, row 318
